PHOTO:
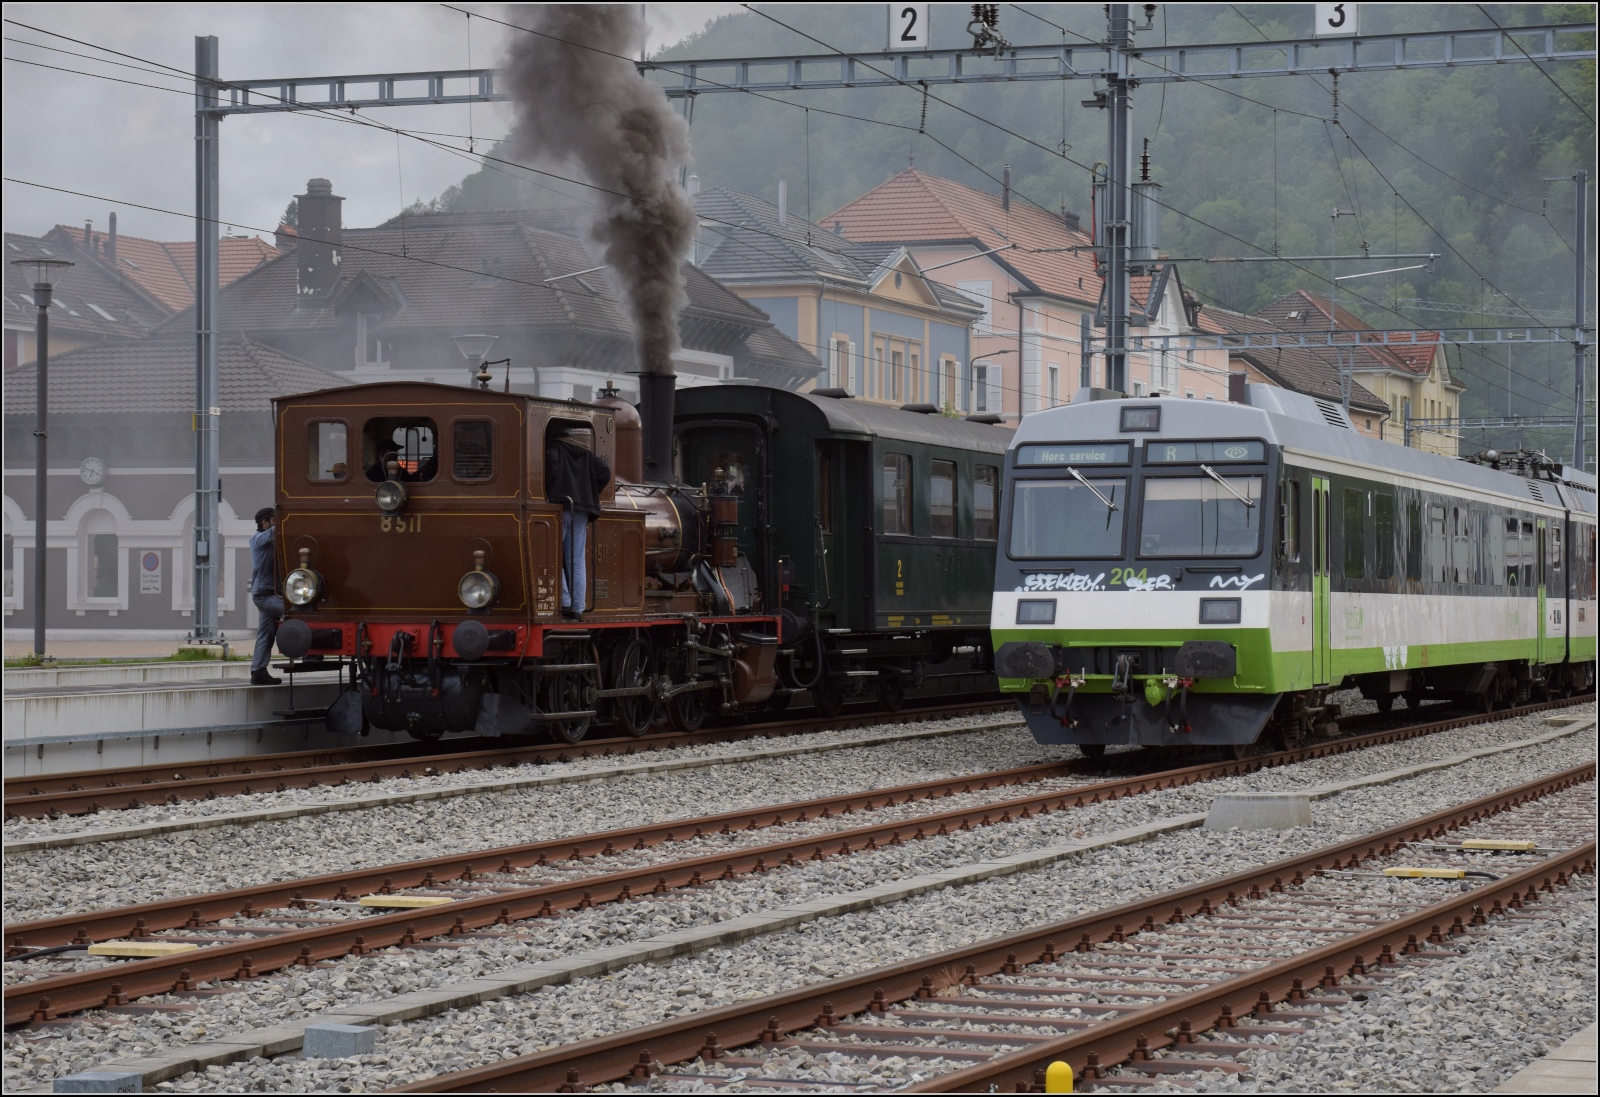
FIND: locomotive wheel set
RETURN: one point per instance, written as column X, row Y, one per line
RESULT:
column 420, row 551
column 1195, row 571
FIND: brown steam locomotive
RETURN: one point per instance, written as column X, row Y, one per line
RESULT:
column 419, row 548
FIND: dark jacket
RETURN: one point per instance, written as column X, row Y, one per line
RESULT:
column 574, row 477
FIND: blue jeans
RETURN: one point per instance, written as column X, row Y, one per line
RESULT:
column 574, row 560
column 270, row 607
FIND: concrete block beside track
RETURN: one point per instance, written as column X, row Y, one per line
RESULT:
column 100, row 1081
column 327, row 1041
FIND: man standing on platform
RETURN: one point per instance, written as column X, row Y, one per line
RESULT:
column 264, row 593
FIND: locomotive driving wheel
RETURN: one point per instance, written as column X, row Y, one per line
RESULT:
column 568, row 693
column 687, row 711
column 634, row 667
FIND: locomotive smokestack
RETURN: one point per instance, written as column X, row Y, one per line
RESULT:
column 581, row 101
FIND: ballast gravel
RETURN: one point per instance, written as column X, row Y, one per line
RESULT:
column 55, row 882
column 804, row 954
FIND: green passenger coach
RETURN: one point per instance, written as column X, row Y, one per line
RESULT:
column 876, row 524
column 1181, row 571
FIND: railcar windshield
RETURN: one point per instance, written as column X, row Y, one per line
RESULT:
column 1064, row 519
column 1201, row 516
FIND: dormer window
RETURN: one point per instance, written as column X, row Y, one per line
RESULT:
column 371, row 352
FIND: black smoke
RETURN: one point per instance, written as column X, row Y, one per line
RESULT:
column 590, row 107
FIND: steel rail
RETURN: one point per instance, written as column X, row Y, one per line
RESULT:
column 610, row 1058
column 77, row 991
column 197, row 910
column 250, row 775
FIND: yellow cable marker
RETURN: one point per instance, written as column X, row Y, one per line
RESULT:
column 1499, row 843
column 1058, row 1078
column 1427, row 873
column 405, row 902
column 138, row 950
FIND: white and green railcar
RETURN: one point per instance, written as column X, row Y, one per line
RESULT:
column 1194, row 571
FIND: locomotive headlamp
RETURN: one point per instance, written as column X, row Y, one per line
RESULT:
column 302, row 585
column 478, row 588
column 391, row 496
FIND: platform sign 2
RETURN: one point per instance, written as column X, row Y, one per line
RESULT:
column 150, row 573
column 908, row 27
column 1335, row 19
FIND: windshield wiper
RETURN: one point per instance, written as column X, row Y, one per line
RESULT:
column 1211, row 472
column 1078, row 477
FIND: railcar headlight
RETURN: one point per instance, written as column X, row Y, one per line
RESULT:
column 391, row 495
column 478, row 587
column 302, row 587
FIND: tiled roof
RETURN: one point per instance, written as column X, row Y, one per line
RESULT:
column 157, row 375
column 914, row 207
column 165, row 269
column 87, row 301
column 752, row 246
column 454, row 272
column 1303, row 311
column 1313, row 373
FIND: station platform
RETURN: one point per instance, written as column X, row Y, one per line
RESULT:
column 109, row 715
column 1570, row 1068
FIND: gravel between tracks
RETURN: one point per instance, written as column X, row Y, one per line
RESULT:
column 805, row 954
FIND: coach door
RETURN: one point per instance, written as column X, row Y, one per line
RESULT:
column 1321, row 627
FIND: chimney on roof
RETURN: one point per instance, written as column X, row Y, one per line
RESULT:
column 1005, row 189
column 283, row 237
column 783, row 202
column 694, row 185
column 111, row 239
column 321, row 232
column 88, row 236
column 1073, row 222
column 1236, row 392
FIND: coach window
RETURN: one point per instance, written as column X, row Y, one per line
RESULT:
column 1413, row 539
column 473, row 447
column 1461, row 549
column 1355, row 530
column 942, row 499
column 1289, row 520
column 408, row 441
column 328, row 451
column 1383, row 542
column 896, row 493
column 985, row 496
column 1438, row 545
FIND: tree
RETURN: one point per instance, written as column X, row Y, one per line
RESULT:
column 291, row 214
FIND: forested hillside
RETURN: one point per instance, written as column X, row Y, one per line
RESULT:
column 1430, row 160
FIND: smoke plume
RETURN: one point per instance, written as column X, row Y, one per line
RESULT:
column 590, row 107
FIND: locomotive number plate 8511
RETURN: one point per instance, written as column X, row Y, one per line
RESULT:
column 401, row 523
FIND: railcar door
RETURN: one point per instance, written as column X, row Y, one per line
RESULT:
column 1552, row 591
column 1321, row 623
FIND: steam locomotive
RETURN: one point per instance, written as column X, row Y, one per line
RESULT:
column 797, row 543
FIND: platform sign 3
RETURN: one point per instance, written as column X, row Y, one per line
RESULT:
column 1335, row 19
column 908, row 27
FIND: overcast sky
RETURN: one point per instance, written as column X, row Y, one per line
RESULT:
column 131, row 144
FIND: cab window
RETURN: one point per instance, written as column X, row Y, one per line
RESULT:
column 328, row 451
column 408, row 443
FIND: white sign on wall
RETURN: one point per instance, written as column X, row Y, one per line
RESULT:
column 908, row 27
column 1335, row 19
column 150, row 573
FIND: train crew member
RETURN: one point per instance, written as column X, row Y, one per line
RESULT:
column 379, row 471
column 264, row 593
column 574, row 477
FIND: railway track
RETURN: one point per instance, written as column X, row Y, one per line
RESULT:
column 91, row 792
column 277, row 925
column 1183, row 981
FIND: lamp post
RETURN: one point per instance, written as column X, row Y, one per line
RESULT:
column 45, row 273
column 475, row 349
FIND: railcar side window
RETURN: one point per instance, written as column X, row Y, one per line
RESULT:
column 1066, row 519
column 942, row 499
column 328, row 451
column 474, row 450
column 1492, row 549
column 1553, row 572
column 1384, row 548
column 1513, row 554
column 410, row 442
column 985, row 496
column 896, row 493
column 1355, row 530
column 1438, row 545
column 1527, row 555
column 1289, row 520
column 1413, row 540
column 1197, row 516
